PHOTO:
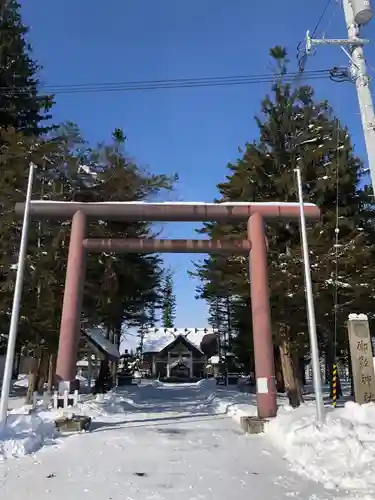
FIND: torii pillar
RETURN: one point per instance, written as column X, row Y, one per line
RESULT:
column 66, row 365
column 261, row 318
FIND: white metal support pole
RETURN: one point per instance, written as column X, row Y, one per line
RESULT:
column 310, row 307
column 8, row 369
column 362, row 83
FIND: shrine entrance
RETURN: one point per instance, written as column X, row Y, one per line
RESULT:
column 255, row 246
column 179, row 370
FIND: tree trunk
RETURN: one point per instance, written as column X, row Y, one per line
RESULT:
column 51, row 372
column 31, row 385
column 292, row 385
column 339, row 388
column 114, row 371
column 112, row 364
column 42, row 376
column 303, row 367
column 298, row 367
column 104, row 382
column 327, row 368
column 350, row 369
column 116, row 339
column 280, row 386
column 33, row 374
column 17, row 364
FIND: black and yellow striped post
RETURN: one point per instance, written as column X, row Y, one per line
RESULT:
column 334, row 384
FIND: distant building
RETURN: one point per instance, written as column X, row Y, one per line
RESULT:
column 175, row 353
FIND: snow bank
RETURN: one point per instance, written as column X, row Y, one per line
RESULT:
column 341, row 454
column 206, row 384
column 112, row 404
column 154, row 383
column 24, row 434
column 202, row 385
column 236, row 410
column 151, row 397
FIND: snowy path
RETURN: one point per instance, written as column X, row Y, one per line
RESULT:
column 181, row 445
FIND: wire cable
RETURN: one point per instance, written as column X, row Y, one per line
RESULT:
column 330, row 20
column 328, row 3
column 302, row 58
column 182, row 83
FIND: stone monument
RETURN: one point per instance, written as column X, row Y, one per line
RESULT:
column 361, row 356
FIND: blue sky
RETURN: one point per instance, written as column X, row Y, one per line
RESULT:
column 194, row 132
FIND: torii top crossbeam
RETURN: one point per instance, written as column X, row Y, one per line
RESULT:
column 168, row 211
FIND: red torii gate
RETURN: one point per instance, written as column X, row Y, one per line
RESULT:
column 256, row 246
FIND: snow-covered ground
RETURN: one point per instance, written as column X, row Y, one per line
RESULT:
column 155, row 441
column 341, row 454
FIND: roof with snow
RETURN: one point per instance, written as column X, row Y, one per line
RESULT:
column 96, row 337
column 157, row 339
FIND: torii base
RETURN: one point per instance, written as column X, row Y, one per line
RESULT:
column 253, row 425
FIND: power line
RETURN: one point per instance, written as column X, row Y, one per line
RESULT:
column 182, row 83
column 182, row 80
column 301, row 54
column 320, row 18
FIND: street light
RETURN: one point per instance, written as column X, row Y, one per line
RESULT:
column 9, row 360
column 310, row 306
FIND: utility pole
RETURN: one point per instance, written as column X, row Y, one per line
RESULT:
column 8, row 369
column 310, row 306
column 357, row 14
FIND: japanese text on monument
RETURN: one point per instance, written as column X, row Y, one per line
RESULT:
column 362, row 361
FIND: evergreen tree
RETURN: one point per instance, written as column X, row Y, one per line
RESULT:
column 297, row 130
column 22, row 113
column 220, row 318
column 130, row 284
column 118, row 286
column 21, row 106
column 169, row 302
